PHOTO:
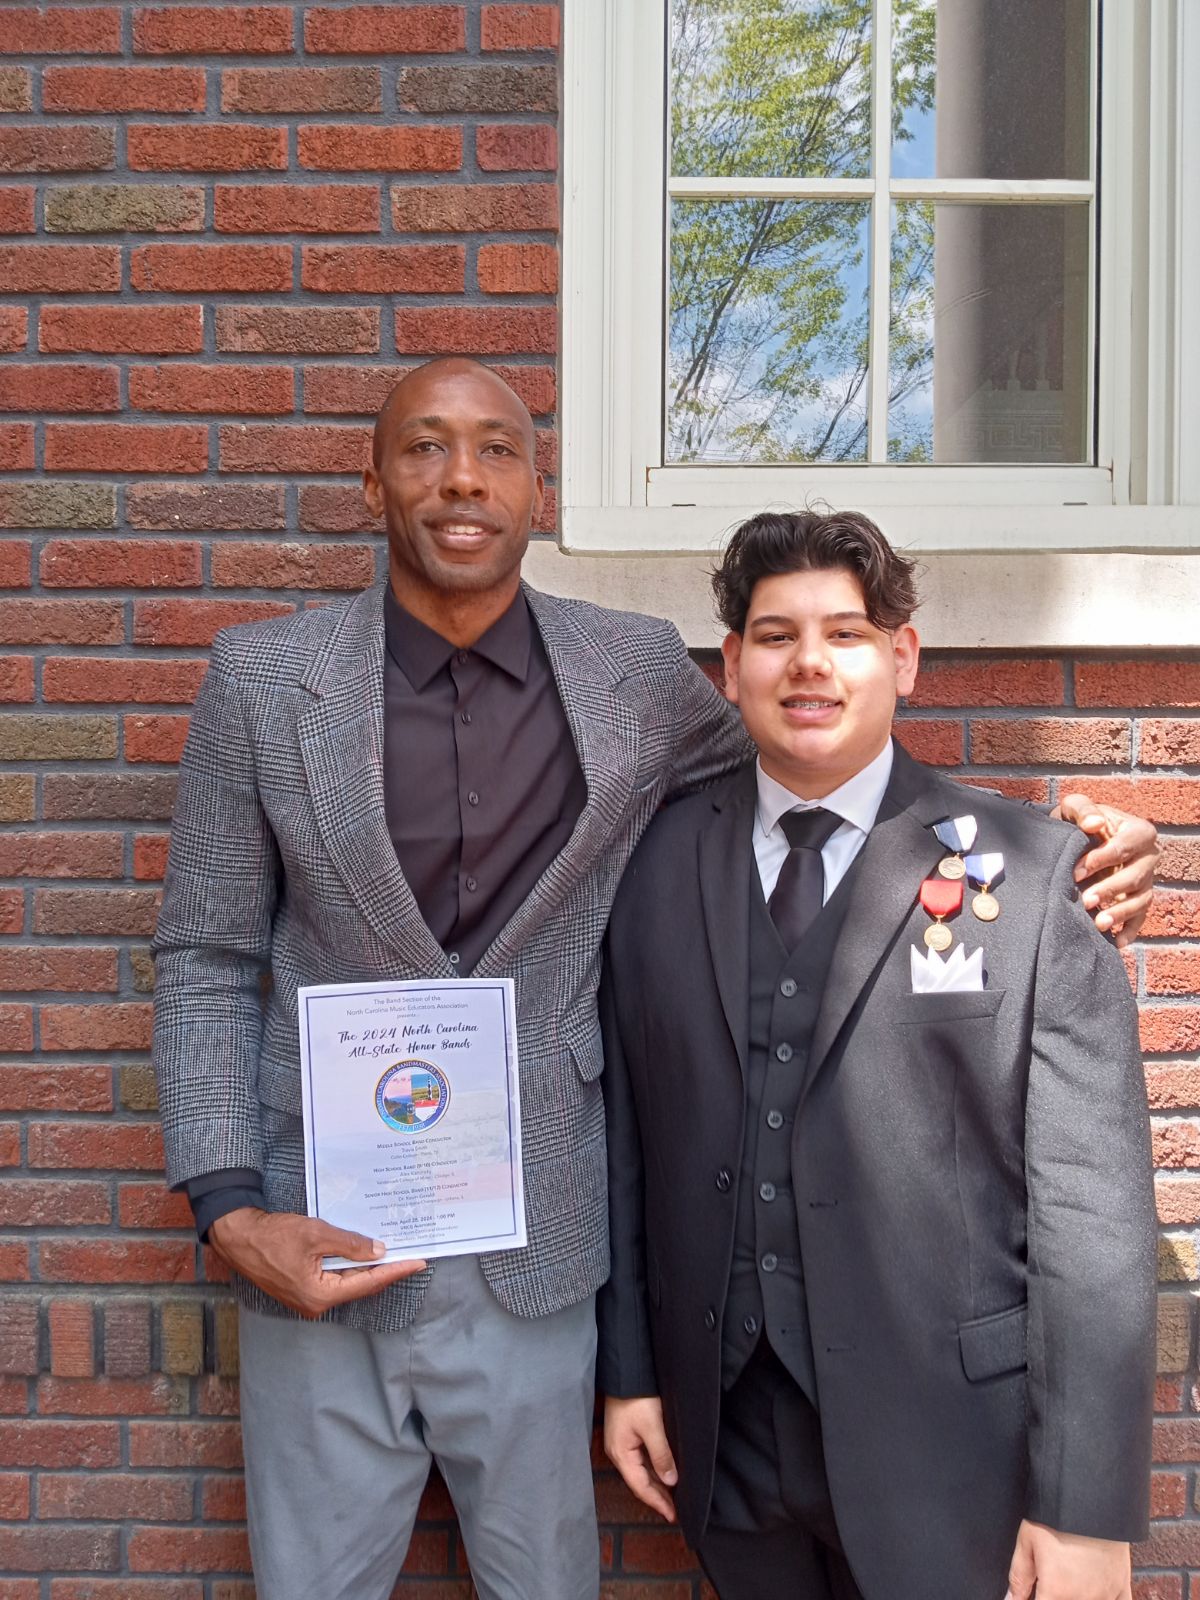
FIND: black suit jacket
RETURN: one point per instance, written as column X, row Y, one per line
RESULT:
column 972, row 1182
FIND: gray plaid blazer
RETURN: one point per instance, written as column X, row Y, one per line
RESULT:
column 281, row 863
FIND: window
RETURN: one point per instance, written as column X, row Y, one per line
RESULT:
column 914, row 257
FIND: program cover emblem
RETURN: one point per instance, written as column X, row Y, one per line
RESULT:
column 412, row 1095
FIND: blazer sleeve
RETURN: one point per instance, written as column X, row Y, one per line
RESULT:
column 625, row 1360
column 709, row 741
column 1091, row 1234
column 213, row 941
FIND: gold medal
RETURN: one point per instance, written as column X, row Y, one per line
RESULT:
column 985, row 906
column 952, row 867
column 938, row 936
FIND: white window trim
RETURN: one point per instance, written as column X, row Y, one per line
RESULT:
column 1146, row 495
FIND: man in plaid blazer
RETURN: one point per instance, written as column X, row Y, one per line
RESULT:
column 305, row 850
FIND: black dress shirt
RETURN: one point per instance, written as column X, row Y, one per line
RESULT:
column 482, row 788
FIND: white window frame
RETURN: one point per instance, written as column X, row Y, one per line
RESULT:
column 616, row 495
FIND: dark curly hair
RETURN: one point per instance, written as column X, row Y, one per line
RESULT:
column 776, row 542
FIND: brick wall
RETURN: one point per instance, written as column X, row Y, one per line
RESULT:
column 222, row 230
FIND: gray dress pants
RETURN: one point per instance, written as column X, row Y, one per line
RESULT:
column 340, row 1428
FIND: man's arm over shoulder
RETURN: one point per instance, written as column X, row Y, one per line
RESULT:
column 709, row 739
column 213, row 940
column 1091, row 1233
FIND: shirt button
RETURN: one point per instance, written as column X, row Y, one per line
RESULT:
column 770, row 1261
column 724, row 1180
column 751, row 1324
column 464, row 717
column 454, row 958
column 472, row 884
column 472, row 798
column 784, row 1052
column 788, row 988
column 766, row 1191
column 775, row 1119
column 710, row 1319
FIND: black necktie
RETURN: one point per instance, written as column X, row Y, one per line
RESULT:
column 800, row 892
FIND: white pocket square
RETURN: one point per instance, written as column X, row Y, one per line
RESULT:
column 958, row 973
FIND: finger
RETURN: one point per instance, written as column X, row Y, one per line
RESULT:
column 661, row 1459
column 648, row 1490
column 1084, row 813
column 336, row 1288
column 327, row 1240
column 1119, row 886
column 1132, row 915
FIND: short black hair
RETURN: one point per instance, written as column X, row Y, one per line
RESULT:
column 775, row 542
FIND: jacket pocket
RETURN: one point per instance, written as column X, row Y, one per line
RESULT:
column 995, row 1344
column 957, row 1006
column 588, row 1056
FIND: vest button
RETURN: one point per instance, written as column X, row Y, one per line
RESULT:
column 775, row 1120
column 770, row 1261
column 710, row 1319
column 724, row 1179
column 788, row 988
column 784, row 1052
column 766, row 1191
column 751, row 1325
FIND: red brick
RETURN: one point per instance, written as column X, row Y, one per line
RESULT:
column 60, row 855
column 158, row 739
column 476, row 330
column 296, row 208
column 109, row 913
column 203, row 508
column 16, row 446
column 935, row 740
column 475, row 207
column 111, row 1147
column 1051, row 741
column 59, row 386
column 1175, row 971
column 14, row 327
column 61, row 30
column 36, row 1549
column 272, row 90
column 72, row 1352
column 126, row 1337
column 16, row 89
column 225, row 1500
column 1178, row 1201
column 1171, row 1544
column 15, row 1501
column 195, row 622
column 508, row 27
column 101, row 680
column 363, row 147
column 116, row 1261
column 236, row 268
column 120, row 563
column 1175, row 801
column 125, row 447
column 150, row 1205
column 76, row 968
column 1137, row 683
column 655, row 1550
column 41, row 1443
column 518, row 269
column 150, row 856
column 10, row 1156
column 210, row 30
column 262, row 391
column 1174, row 914
column 14, row 1263
column 12, row 914
column 1168, row 1395
column 292, row 566
column 384, row 29
column 16, row 564
column 1169, row 1029
column 184, row 1444
column 16, row 676
column 128, row 1589
column 111, row 1397
column 109, row 796
column 99, row 1027
column 517, row 147
column 61, row 622
column 16, row 1028
column 18, row 1350
column 1169, row 742
column 114, row 1498
column 1160, row 1587
column 133, row 330
column 16, row 212
column 293, row 448
column 1180, row 859
column 217, row 1397
column 60, row 268
column 30, row 1087
column 303, row 330
column 1173, row 1083
column 384, row 269
column 334, row 508
column 76, row 148
column 188, row 1550
column 47, row 1202
column 210, row 147
column 123, row 89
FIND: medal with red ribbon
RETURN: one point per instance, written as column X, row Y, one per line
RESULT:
column 941, row 897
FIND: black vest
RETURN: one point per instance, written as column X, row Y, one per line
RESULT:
column 766, row 1285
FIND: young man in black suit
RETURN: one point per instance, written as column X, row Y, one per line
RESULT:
column 880, row 1322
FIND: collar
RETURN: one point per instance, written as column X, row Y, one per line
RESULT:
column 857, row 801
column 421, row 653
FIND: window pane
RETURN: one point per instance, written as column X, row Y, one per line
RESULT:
column 770, row 88
column 989, row 337
column 991, row 88
column 768, row 331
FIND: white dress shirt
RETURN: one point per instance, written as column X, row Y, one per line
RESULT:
column 857, row 802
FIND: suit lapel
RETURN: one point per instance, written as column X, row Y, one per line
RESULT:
column 341, row 740
column 900, row 851
column 725, row 859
